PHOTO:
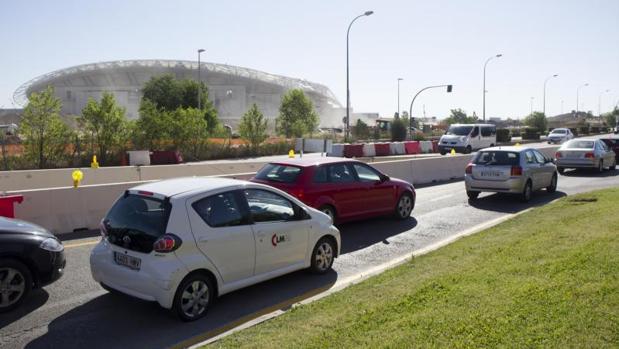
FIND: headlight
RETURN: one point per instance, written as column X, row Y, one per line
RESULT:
column 52, row 245
column 462, row 138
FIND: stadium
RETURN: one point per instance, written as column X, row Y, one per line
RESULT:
column 231, row 89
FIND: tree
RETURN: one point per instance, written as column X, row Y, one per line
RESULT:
column 152, row 127
column 106, row 123
column 253, row 127
column 189, row 132
column 537, row 120
column 398, row 130
column 46, row 136
column 361, row 130
column 296, row 115
column 168, row 94
column 458, row 116
column 611, row 118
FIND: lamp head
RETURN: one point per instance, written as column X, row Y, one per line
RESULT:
column 201, row 50
column 368, row 13
column 554, row 76
column 499, row 55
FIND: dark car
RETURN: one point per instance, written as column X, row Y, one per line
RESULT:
column 613, row 144
column 344, row 189
column 30, row 257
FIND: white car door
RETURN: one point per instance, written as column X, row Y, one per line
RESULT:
column 475, row 139
column 220, row 225
column 280, row 229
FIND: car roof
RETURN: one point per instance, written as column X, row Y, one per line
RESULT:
column 184, row 185
column 512, row 148
column 309, row 162
column 472, row 125
column 560, row 128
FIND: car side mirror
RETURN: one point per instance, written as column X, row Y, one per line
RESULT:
column 384, row 178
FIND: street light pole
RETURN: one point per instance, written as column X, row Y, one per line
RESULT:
column 532, row 98
column 578, row 95
column 546, row 81
column 410, row 111
column 367, row 13
column 199, row 81
column 600, row 102
column 398, row 111
column 485, row 64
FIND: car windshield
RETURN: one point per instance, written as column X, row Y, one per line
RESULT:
column 497, row 157
column 459, row 130
column 559, row 131
column 578, row 144
column 279, row 173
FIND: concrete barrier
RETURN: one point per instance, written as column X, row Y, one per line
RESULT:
column 397, row 148
column 369, row 150
column 337, row 150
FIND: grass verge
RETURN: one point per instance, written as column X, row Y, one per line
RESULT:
column 547, row 278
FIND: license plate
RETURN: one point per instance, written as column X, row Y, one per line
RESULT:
column 490, row 174
column 127, row 261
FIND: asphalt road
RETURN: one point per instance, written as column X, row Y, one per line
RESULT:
column 76, row 313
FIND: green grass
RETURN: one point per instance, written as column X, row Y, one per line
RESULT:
column 548, row 278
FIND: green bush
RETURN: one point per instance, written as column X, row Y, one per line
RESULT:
column 531, row 133
column 398, row 130
column 574, row 131
column 503, row 135
column 583, row 130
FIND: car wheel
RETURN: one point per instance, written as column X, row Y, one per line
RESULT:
column 405, row 206
column 613, row 167
column 15, row 284
column 526, row 192
column 473, row 195
column 442, row 151
column 468, row 149
column 323, row 256
column 329, row 211
column 553, row 184
column 193, row 297
column 601, row 166
column 561, row 170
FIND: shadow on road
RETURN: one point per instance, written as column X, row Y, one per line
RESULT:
column 508, row 203
column 589, row 173
column 34, row 301
column 359, row 235
column 118, row 321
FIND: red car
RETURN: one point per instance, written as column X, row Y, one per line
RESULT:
column 613, row 144
column 344, row 189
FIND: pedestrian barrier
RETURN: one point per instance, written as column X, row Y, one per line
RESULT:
column 7, row 208
column 412, row 147
column 426, row 146
column 382, row 149
column 369, row 150
column 397, row 148
column 353, row 150
column 337, row 150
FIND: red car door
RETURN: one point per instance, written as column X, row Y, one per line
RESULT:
column 380, row 194
column 345, row 190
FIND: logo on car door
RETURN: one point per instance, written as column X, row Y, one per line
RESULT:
column 277, row 239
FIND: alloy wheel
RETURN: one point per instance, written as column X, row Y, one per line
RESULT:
column 405, row 206
column 324, row 256
column 12, row 286
column 195, row 298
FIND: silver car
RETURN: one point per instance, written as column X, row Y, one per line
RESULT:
column 514, row 170
column 560, row 135
column 585, row 153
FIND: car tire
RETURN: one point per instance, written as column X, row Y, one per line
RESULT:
column 442, row 151
column 193, row 297
column 468, row 149
column 613, row 167
column 329, row 211
column 405, row 206
column 561, row 170
column 600, row 166
column 553, row 184
column 15, row 283
column 323, row 256
column 473, row 195
column 527, row 192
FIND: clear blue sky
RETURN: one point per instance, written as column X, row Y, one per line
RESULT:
column 424, row 42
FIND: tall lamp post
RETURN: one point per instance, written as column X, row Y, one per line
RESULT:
column 600, row 102
column 578, row 96
column 367, row 13
column 532, row 98
column 410, row 111
column 398, row 110
column 545, row 82
column 485, row 64
column 199, row 81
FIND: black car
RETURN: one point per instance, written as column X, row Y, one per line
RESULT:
column 30, row 257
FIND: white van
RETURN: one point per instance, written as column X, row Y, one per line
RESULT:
column 465, row 138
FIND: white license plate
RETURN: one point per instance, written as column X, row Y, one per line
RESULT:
column 490, row 174
column 127, row 261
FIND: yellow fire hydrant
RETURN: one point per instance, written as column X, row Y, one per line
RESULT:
column 77, row 176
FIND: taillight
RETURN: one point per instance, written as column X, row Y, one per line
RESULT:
column 103, row 229
column 516, row 171
column 558, row 155
column 469, row 169
column 167, row 243
column 589, row 155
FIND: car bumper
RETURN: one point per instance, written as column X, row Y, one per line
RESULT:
column 447, row 148
column 513, row 185
column 149, row 283
column 556, row 140
column 578, row 163
column 51, row 271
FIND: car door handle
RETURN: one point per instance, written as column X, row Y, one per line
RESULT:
column 203, row 239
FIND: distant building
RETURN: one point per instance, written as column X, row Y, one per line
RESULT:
column 575, row 120
column 231, row 89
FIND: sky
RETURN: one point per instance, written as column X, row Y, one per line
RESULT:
column 423, row 42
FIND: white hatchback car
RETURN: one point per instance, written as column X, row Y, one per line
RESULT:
column 182, row 242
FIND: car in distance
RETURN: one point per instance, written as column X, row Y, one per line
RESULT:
column 613, row 144
column 585, row 153
column 182, row 242
column 464, row 138
column 560, row 135
column 30, row 257
column 342, row 188
column 514, row 170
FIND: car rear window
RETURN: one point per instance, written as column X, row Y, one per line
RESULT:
column 140, row 218
column 559, row 131
column 279, row 173
column 576, row 144
column 496, row 157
